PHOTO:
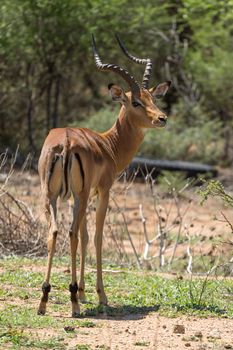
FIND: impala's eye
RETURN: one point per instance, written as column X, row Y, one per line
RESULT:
column 136, row 104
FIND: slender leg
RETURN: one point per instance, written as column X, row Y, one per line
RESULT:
column 84, row 241
column 79, row 211
column 51, row 216
column 100, row 216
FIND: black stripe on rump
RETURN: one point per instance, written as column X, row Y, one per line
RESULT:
column 77, row 156
column 55, row 159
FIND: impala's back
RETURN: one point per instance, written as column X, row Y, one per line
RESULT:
column 73, row 160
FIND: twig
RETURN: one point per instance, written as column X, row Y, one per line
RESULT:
column 189, row 252
column 148, row 241
column 228, row 221
column 127, row 231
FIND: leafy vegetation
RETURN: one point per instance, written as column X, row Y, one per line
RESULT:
column 48, row 77
column 216, row 189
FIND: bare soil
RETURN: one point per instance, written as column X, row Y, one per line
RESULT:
column 156, row 332
column 138, row 332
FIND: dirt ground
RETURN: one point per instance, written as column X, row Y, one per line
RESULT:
column 202, row 223
column 159, row 333
column 132, row 332
column 138, row 332
column 152, row 331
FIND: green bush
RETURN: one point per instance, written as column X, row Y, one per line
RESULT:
column 101, row 120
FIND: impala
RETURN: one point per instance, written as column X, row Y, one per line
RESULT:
column 74, row 161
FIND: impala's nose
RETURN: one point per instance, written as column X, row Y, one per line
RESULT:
column 162, row 118
column 160, row 121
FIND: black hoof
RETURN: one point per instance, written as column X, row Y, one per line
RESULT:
column 41, row 312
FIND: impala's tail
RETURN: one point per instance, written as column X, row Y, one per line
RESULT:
column 66, row 160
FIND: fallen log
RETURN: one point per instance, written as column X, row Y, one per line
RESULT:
column 156, row 166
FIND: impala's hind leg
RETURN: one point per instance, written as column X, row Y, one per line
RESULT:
column 54, row 187
column 80, row 195
column 84, row 241
column 80, row 204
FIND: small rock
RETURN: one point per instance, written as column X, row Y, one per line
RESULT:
column 198, row 334
column 179, row 329
column 214, row 334
column 164, row 326
column 187, row 345
column 228, row 346
column 69, row 328
column 184, row 338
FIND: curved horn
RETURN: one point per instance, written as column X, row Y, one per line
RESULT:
column 133, row 84
column 146, row 61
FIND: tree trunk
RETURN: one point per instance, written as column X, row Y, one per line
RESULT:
column 29, row 75
column 55, row 116
column 48, row 103
column 29, row 122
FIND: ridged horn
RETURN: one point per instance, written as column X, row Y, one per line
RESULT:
column 133, row 84
column 145, row 61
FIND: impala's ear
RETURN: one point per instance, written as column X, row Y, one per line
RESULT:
column 160, row 90
column 117, row 93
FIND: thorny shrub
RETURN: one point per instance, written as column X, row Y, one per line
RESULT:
column 22, row 230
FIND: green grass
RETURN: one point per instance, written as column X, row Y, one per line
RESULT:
column 129, row 292
column 18, row 340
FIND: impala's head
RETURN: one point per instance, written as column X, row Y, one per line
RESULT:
column 140, row 100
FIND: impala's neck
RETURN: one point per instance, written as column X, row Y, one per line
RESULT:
column 124, row 138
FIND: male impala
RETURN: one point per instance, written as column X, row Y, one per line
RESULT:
column 75, row 160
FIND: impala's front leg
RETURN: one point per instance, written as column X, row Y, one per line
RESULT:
column 79, row 211
column 100, row 216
